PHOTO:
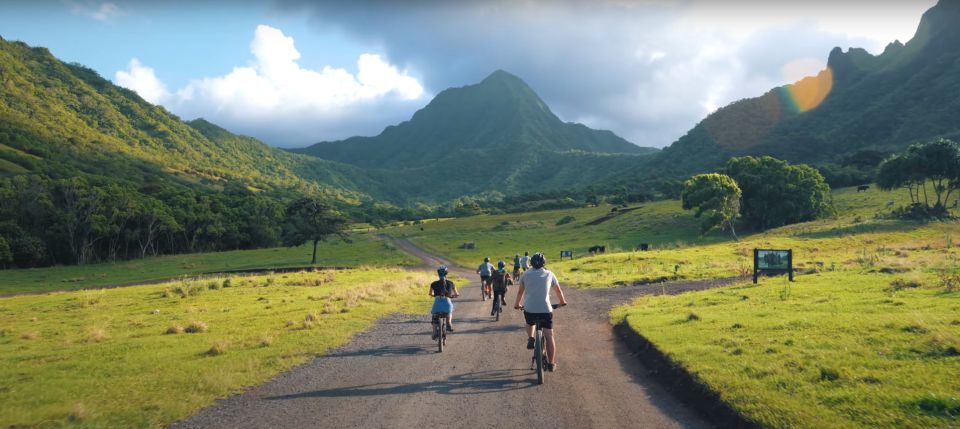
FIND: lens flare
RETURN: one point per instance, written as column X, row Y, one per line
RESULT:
column 809, row 92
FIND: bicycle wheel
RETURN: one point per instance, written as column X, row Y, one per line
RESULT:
column 496, row 308
column 538, row 354
column 442, row 327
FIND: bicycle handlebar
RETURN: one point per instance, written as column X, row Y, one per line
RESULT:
column 555, row 306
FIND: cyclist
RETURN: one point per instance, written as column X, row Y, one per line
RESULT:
column 499, row 280
column 485, row 270
column 516, row 267
column 442, row 290
column 525, row 261
column 534, row 293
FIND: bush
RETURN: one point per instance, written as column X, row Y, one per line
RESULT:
column 196, row 326
column 175, row 329
column 218, row 348
column 565, row 220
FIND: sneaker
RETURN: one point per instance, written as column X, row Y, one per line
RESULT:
column 433, row 335
column 502, row 302
column 493, row 312
column 530, row 342
column 551, row 367
column 450, row 328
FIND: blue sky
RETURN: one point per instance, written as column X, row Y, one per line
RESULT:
column 294, row 72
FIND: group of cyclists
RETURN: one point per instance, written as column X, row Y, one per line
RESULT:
column 535, row 284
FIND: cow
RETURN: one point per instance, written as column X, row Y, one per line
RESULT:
column 597, row 249
column 863, row 188
column 644, row 247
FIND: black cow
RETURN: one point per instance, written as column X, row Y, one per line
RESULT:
column 644, row 247
column 597, row 249
column 863, row 188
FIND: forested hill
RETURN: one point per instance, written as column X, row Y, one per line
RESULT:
column 847, row 118
column 62, row 120
column 496, row 137
column 501, row 115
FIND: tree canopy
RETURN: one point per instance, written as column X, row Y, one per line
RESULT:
column 776, row 193
column 311, row 219
column 936, row 162
column 718, row 196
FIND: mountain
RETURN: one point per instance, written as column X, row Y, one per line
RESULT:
column 853, row 113
column 494, row 136
column 64, row 120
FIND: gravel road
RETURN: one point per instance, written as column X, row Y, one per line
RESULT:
column 392, row 376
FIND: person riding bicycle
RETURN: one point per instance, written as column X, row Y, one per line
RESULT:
column 442, row 290
column 534, row 293
column 525, row 261
column 485, row 270
column 516, row 267
column 500, row 279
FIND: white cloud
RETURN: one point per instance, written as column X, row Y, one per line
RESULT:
column 143, row 81
column 103, row 12
column 275, row 99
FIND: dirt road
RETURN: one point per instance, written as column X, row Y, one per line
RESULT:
column 392, row 375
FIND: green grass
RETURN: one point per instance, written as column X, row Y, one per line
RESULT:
column 364, row 250
column 104, row 358
column 867, row 336
column 661, row 224
column 836, row 349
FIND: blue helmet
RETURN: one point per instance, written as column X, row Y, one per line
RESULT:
column 500, row 265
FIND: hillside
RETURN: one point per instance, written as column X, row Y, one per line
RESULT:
column 497, row 135
column 851, row 115
column 64, row 120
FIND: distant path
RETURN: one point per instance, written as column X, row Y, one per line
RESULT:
column 391, row 376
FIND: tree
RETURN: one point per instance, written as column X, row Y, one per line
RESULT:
column 718, row 196
column 310, row 219
column 776, row 193
column 6, row 255
column 936, row 162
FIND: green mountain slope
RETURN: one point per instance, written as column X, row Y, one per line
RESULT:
column 862, row 106
column 64, row 120
column 497, row 135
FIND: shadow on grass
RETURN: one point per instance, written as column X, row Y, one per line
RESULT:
column 464, row 384
column 861, row 228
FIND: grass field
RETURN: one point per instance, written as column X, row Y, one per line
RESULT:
column 868, row 335
column 125, row 357
column 661, row 224
column 364, row 249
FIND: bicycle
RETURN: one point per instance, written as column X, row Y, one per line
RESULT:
column 440, row 329
column 497, row 308
column 539, row 349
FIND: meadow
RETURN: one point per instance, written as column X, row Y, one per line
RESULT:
column 146, row 356
column 364, row 249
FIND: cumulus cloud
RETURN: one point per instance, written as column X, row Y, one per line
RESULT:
column 277, row 100
column 143, row 81
column 648, row 70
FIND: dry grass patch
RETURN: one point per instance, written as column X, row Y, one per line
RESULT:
column 218, row 348
column 196, row 326
column 175, row 329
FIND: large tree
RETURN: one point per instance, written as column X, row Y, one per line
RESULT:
column 310, row 219
column 776, row 193
column 718, row 196
column 936, row 162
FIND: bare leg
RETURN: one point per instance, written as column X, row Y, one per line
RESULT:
column 530, row 331
column 551, row 345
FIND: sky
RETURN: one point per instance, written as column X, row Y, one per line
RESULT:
column 296, row 72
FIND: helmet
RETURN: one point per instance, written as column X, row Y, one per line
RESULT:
column 500, row 265
column 517, row 255
column 442, row 271
column 526, row 253
column 487, row 259
column 538, row 260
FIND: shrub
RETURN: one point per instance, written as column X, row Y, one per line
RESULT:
column 196, row 326
column 900, row 284
column 829, row 374
column 175, row 329
column 218, row 348
column 213, row 286
column 565, row 220
column 227, row 283
column 692, row 317
column 949, row 281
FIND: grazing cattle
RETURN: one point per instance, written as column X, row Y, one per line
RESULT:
column 863, row 188
column 644, row 247
column 597, row 249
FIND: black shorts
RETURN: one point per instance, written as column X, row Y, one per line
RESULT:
column 485, row 278
column 546, row 319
